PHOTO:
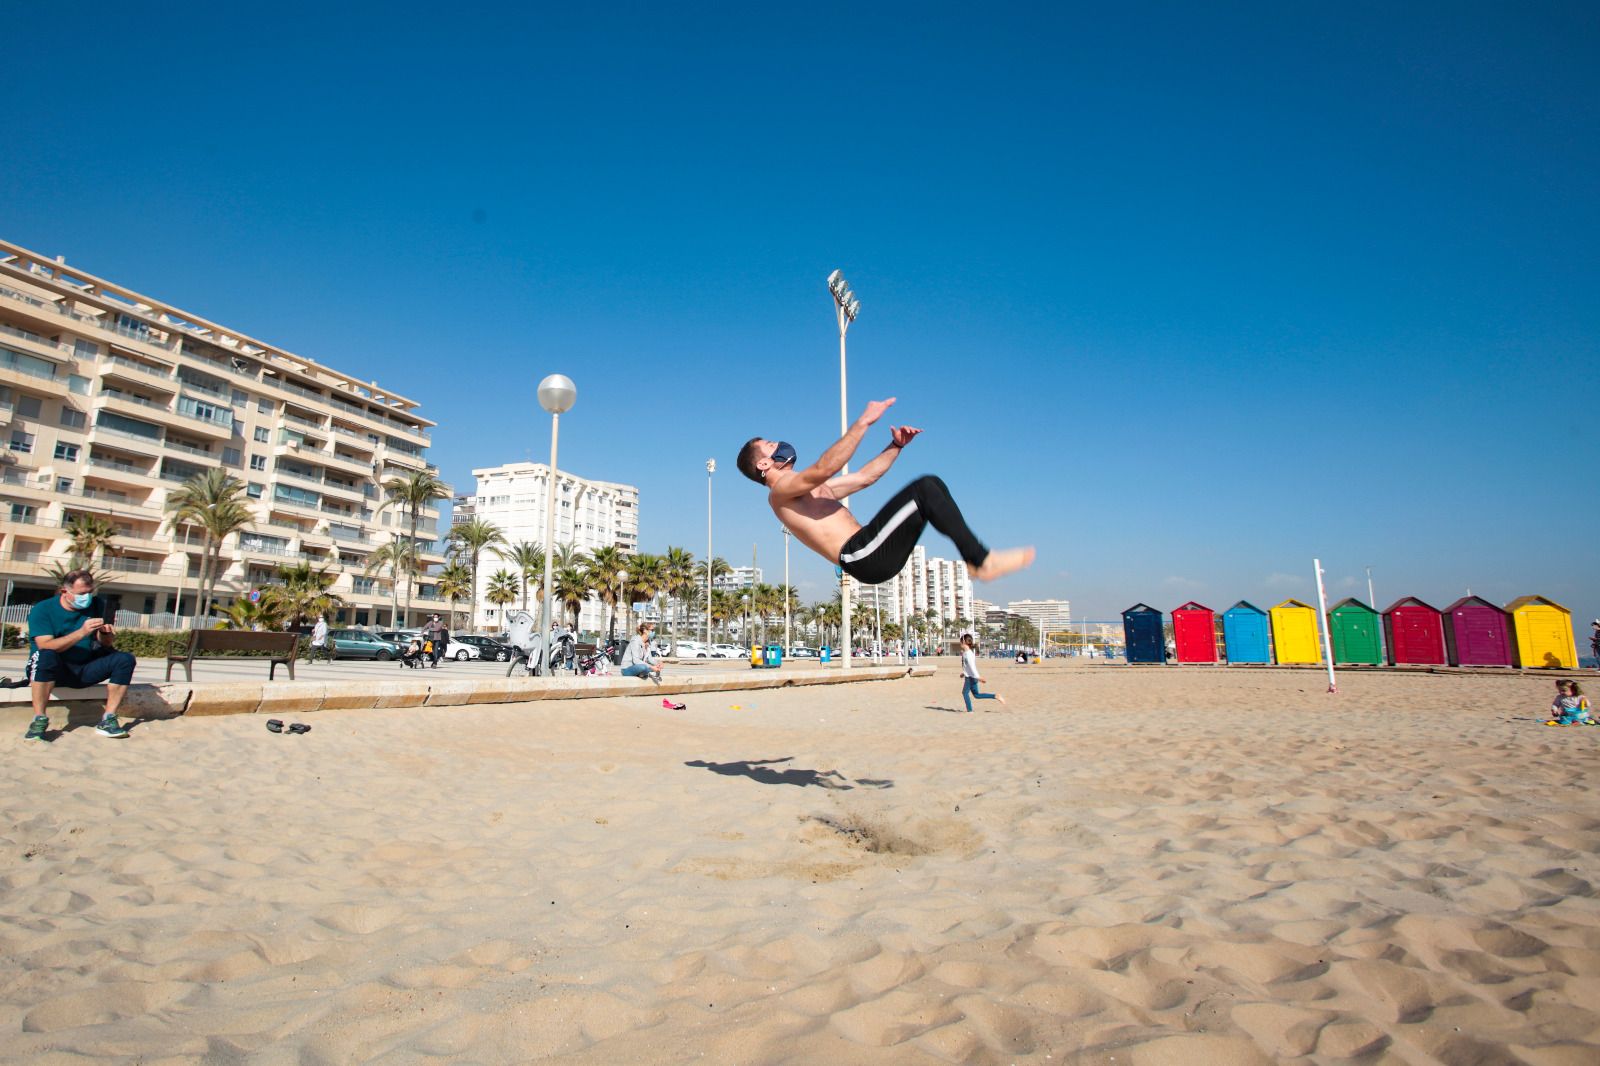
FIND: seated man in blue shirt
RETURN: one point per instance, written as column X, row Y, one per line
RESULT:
column 70, row 644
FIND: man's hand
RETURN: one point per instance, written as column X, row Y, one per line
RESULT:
column 92, row 624
column 901, row 435
column 875, row 411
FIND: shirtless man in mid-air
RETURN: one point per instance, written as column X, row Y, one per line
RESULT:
column 807, row 503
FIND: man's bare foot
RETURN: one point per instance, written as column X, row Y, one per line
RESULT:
column 1001, row 700
column 1001, row 563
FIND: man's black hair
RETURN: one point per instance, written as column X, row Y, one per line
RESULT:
column 747, row 461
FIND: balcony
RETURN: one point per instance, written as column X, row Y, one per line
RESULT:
column 128, row 442
column 28, row 484
column 189, row 449
column 136, row 407
column 137, row 540
column 116, row 366
column 205, row 418
column 341, row 492
column 114, row 470
column 33, row 344
column 349, row 464
column 119, row 503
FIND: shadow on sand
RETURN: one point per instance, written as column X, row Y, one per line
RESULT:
column 764, row 772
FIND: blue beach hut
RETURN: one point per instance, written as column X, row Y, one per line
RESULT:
column 1244, row 632
column 1141, row 631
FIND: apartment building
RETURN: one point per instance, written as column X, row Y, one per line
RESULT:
column 589, row 514
column 929, row 583
column 1052, row 615
column 109, row 400
column 738, row 579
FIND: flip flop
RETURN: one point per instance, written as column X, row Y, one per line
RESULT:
column 669, row 705
column 274, row 725
column 299, row 727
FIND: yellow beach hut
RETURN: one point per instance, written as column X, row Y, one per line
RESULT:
column 1542, row 633
column 1294, row 632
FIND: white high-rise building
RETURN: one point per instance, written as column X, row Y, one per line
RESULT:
column 589, row 515
column 1049, row 614
column 934, row 584
column 740, row 577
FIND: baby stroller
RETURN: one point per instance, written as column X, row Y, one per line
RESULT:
column 527, row 648
column 412, row 656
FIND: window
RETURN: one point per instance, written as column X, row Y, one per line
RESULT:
column 240, row 398
column 254, row 490
column 85, row 349
column 63, row 484
column 205, row 411
column 29, row 406
column 27, row 364
column 67, row 452
column 258, row 462
column 261, row 435
column 264, row 406
column 79, row 385
column 73, row 419
column 21, row 442
column 24, row 513
column 231, row 456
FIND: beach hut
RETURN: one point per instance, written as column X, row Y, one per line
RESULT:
column 1541, row 633
column 1354, row 628
column 1141, row 631
column 1294, row 632
column 1194, row 631
column 1414, row 633
column 1477, row 633
column 1244, row 634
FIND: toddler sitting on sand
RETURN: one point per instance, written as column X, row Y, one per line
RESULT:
column 1569, row 707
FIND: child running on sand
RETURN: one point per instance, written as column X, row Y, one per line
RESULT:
column 1570, row 707
column 969, row 674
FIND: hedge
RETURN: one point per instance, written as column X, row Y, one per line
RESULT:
column 160, row 643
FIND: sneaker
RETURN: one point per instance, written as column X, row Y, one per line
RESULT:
column 109, row 727
column 36, row 728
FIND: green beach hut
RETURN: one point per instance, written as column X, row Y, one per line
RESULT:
column 1355, row 629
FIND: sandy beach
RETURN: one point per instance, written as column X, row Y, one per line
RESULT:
column 1153, row 866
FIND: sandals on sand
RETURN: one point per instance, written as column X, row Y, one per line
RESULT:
column 276, row 726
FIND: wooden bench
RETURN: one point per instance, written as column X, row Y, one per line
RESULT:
column 210, row 643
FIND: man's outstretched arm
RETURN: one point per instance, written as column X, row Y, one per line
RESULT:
column 845, row 484
column 799, row 482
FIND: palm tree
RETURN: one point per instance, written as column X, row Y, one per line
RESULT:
column 398, row 557
column 528, row 557
column 725, row 604
column 571, row 589
column 503, row 588
column 677, row 577
column 645, row 582
column 568, row 555
column 765, row 601
column 413, row 491
column 470, row 538
column 215, row 501
column 91, row 535
column 265, row 614
column 455, row 582
column 303, row 593
column 719, row 567
column 605, row 564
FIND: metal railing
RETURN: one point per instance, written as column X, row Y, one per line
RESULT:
column 191, row 449
column 112, row 464
column 142, row 368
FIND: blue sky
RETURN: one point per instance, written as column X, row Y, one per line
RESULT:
column 1184, row 297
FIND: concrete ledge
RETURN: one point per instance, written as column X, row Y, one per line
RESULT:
column 168, row 700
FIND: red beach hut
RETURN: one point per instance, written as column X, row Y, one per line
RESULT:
column 1414, row 632
column 1194, row 631
column 1477, row 633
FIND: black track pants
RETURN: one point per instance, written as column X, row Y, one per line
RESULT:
column 880, row 548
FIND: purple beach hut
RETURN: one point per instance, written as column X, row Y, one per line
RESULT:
column 1477, row 633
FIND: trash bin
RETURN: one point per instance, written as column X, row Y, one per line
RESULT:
column 755, row 655
column 827, row 654
column 774, row 655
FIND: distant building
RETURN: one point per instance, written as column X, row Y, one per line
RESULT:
column 589, row 515
column 1047, row 614
column 740, row 577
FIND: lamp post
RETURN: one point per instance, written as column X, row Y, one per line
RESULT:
column 557, row 394
column 787, row 641
column 711, row 468
column 846, row 307
column 622, row 584
column 1370, row 601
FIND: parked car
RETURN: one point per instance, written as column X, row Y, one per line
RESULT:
column 488, row 647
column 360, row 644
column 692, row 649
column 800, row 651
column 728, row 651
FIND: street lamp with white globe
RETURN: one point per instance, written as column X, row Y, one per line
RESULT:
column 557, row 394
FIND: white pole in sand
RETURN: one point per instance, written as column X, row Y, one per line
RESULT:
column 1322, row 622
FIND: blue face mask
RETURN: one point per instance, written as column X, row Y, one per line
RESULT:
column 783, row 453
column 80, row 600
